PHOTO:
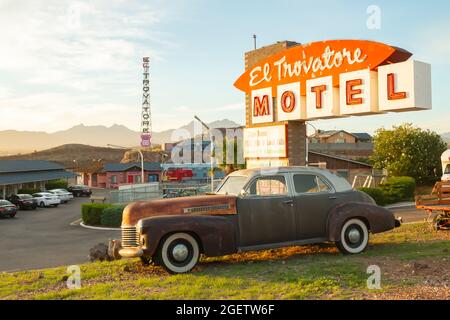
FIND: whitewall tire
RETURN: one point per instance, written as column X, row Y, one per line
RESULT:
column 178, row 253
column 354, row 237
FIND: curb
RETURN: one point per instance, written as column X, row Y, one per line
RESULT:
column 98, row 228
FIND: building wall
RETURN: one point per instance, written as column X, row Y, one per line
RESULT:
column 340, row 137
column 123, row 177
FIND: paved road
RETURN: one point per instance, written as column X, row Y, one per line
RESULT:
column 44, row 237
column 411, row 214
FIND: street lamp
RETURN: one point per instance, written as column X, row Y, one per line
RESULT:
column 140, row 155
column 307, row 141
column 211, row 152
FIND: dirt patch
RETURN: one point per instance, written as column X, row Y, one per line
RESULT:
column 274, row 254
column 428, row 278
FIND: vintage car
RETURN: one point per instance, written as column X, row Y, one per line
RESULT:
column 253, row 209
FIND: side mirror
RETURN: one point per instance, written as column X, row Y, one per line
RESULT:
column 243, row 193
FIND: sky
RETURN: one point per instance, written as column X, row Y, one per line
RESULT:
column 63, row 63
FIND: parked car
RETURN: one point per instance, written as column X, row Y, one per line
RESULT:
column 253, row 209
column 46, row 199
column 80, row 190
column 23, row 201
column 63, row 195
column 7, row 209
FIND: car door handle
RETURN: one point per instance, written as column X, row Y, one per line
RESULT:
column 289, row 202
column 332, row 197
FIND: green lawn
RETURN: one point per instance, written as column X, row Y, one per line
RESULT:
column 414, row 262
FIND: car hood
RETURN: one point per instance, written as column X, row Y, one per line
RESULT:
column 195, row 205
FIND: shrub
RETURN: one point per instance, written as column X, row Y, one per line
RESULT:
column 91, row 213
column 377, row 194
column 29, row 191
column 395, row 189
column 56, row 184
column 112, row 216
column 399, row 189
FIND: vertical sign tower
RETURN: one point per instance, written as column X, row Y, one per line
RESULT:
column 146, row 117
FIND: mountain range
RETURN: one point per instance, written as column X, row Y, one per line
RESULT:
column 13, row 141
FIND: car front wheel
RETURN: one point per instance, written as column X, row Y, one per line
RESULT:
column 42, row 205
column 178, row 253
column 354, row 237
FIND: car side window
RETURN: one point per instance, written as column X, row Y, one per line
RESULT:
column 310, row 183
column 268, row 186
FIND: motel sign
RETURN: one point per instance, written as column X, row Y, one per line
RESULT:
column 337, row 78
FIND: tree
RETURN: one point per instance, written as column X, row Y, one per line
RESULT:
column 409, row 151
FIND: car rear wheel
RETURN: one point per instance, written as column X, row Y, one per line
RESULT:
column 354, row 237
column 178, row 253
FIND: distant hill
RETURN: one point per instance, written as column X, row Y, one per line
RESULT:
column 446, row 137
column 13, row 142
column 74, row 155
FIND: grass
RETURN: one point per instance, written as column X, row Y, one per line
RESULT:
column 312, row 272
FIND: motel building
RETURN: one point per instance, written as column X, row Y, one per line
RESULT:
column 287, row 85
column 111, row 175
column 29, row 174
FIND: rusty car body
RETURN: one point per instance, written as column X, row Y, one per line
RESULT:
column 253, row 209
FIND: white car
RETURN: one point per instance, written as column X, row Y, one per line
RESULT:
column 46, row 199
column 63, row 195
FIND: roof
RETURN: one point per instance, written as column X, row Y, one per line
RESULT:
column 118, row 167
column 341, row 158
column 329, row 133
column 362, row 135
column 34, row 176
column 8, row 166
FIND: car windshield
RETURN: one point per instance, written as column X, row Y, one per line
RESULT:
column 447, row 169
column 232, row 185
column 25, row 196
column 5, row 203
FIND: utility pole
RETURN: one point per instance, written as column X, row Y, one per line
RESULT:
column 211, row 158
column 254, row 41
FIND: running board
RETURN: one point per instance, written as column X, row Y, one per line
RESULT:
column 282, row 244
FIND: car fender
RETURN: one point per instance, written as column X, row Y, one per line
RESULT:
column 379, row 219
column 217, row 234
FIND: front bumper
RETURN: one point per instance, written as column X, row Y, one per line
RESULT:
column 131, row 252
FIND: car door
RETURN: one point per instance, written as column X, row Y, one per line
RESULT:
column 314, row 197
column 266, row 212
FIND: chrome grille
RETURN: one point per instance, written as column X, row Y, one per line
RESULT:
column 130, row 237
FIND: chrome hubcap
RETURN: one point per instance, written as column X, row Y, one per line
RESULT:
column 180, row 252
column 354, row 236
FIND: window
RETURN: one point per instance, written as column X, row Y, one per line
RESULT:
column 232, row 185
column 342, row 173
column 114, row 179
column 308, row 183
column 447, row 169
column 269, row 186
column 137, row 179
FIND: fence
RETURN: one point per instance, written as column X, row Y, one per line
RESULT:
column 158, row 190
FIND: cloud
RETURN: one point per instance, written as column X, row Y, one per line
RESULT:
column 76, row 61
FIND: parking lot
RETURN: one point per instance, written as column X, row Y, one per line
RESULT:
column 47, row 237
